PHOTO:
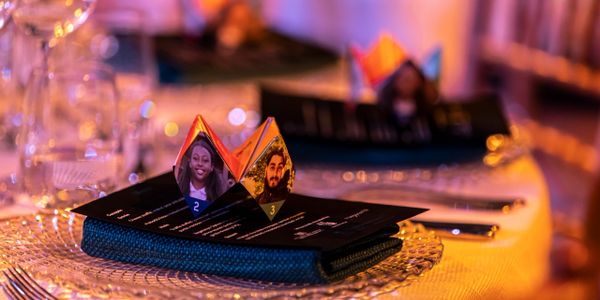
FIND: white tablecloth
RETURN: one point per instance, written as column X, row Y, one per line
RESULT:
column 515, row 263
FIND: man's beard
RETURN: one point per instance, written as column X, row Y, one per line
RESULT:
column 273, row 178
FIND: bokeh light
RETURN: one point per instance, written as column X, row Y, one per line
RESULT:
column 171, row 129
column 147, row 109
column 236, row 116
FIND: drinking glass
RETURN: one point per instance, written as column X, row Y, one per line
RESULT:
column 6, row 8
column 7, row 95
column 69, row 144
column 51, row 20
column 7, row 86
column 119, row 40
column 6, row 66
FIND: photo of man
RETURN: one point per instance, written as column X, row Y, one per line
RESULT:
column 276, row 178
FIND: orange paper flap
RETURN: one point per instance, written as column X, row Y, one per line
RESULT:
column 200, row 126
column 381, row 60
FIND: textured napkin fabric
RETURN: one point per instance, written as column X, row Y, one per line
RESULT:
column 111, row 241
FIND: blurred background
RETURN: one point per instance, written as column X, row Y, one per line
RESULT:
column 541, row 56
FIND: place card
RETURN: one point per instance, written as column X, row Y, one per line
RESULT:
column 205, row 169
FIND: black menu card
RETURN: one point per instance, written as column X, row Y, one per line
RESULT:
column 157, row 206
column 337, row 131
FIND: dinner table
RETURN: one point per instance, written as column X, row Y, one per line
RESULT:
column 510, row 261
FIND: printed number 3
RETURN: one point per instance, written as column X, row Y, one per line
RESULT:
column 196, row 205
column 272, row 212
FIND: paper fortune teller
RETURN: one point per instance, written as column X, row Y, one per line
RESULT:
column 205, row 169
column 385, row 57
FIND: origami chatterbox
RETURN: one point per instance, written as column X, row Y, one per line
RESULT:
column 205, row 169
column 404, row 89
column 385, row 57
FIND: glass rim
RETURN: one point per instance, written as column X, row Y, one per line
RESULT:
column 81, row 69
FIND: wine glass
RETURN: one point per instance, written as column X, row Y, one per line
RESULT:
column 6, row 87
column 51, row 20
column 6, row 8
column 6, row 42
column 118, row 38
column 70, row 141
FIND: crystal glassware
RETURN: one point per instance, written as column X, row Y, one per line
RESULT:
column 6, row 64
column 6, row 8
column 118, row 38
column 7, row 94
column 51, row 20
column 70, row 141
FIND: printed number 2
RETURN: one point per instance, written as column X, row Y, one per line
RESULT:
column 272, row 212
column 196, row 205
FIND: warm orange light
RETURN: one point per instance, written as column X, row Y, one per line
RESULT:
column 494, row 142
column 58, row 30
column 492, row 159
column 540, row 62
column 361, row 176
column 348, row 176
column 583, row 76
column 563, row 69
column 209, row 8
column 69, row 27
column 171, row 129
column 398, row 176
column 86, row 130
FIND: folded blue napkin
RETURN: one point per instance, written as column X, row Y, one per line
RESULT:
column 277, row 264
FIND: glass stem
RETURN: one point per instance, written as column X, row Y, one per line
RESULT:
column 45, row 46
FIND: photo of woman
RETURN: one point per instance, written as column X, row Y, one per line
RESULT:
column 201, row 175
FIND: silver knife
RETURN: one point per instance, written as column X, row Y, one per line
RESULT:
column 416, row 195
column 469, row 231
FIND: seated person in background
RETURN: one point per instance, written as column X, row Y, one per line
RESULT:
column 226, row 25
column 407, row 98
column 407, row 93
